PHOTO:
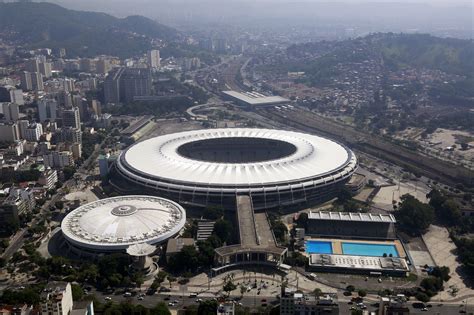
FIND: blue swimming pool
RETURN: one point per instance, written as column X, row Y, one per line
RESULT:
column 318, row 247
column 365, row 249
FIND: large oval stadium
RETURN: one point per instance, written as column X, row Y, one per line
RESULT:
column 211, row 167
column 115, row 224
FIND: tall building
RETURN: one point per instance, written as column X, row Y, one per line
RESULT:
column 123, row 84
column 57, row 299
column 45, row 69
column 70, row 135
column 112, row 86
column 11, row 94
column 33, row 132
column 47, row 110
column 37, row 81
column 18, row 202
column 154, row 58
column 32, row 65
column 102, row 66
column 25, row 81
column 31, row 81
column 11, row 112
column 71, row 118
column 22, row 125
column 96, row 107
column 9, row 132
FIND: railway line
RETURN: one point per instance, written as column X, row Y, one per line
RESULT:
column 307, row 121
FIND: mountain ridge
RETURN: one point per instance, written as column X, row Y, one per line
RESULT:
column 82, row 33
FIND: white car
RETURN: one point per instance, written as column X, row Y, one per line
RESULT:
column 108, row 298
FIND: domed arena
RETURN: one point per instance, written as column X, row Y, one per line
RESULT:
column 118, row 223
column 211, row 167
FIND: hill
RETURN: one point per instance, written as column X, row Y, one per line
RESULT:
column 81, row 33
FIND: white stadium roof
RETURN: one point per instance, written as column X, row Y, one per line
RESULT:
column 158, row 159
column 119, row 222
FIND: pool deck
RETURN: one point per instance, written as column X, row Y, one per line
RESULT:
column 337, row 244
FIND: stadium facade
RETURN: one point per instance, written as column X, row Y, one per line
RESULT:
column 211, row 167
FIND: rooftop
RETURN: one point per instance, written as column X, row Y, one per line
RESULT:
column 351, row 216
column 196, row 157
column 119, row 222
column 254, row 98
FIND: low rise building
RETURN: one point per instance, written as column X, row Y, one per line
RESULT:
column 294, row 302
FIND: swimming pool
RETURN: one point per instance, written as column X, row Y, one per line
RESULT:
column 366, row 249
column 318, row 247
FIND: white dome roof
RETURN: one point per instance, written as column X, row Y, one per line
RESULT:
column 116, row 223
column 159, row 159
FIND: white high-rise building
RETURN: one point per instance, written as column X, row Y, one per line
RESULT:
column 22, row 125
column 31, row 81
column 33, row 132
column 154, row 58
column 45, row 69
column 47, row 110
column 72, row 118
column 11, row 112
column 32, row 65
column 37, row 81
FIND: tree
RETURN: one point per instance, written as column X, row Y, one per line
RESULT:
column 362, row 293
column 171, row 279
column 213, row 213
column 229, row 286
column 302, row 220
column 243, row 289
column 441, row 272
column 160, row 309
column 422, row 297
column 317, row 292
column 413, row 215
column 185, row 260
column 207, row 307
column 350, row 288
column 222, row 229
column 68, row 172
column 77, row 292
column 451, row 211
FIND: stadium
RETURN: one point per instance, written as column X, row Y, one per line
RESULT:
column 211, row 167
column 119, row 223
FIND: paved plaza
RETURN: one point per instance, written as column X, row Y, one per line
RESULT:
column 442, row 249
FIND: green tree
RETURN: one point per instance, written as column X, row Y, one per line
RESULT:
column 302, row 220
column 207, row 308
column 229, row 286
column 362, row 293
column 185, row 260
column 222, row 229
column 413, row 215
column 77, row 292
column 160, row 309
column 422, row 297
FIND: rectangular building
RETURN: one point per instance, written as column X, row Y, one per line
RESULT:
column 349, row 224
column 57, row 299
